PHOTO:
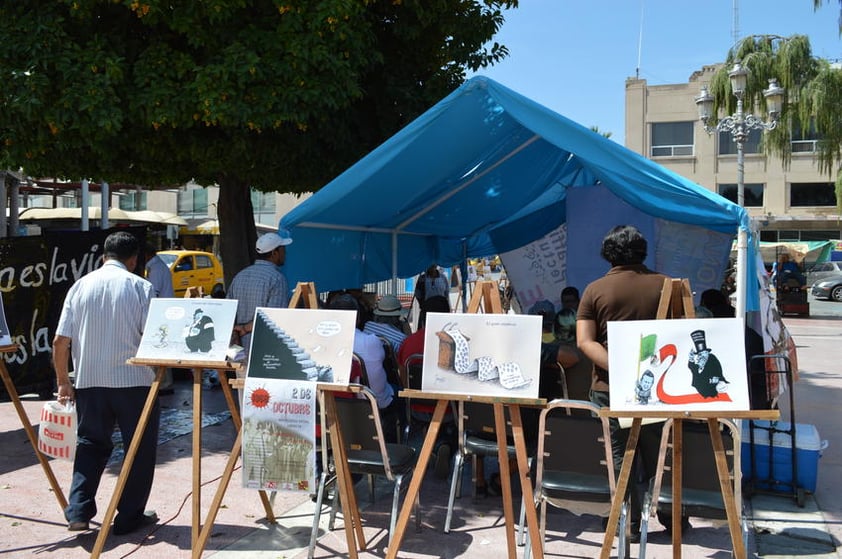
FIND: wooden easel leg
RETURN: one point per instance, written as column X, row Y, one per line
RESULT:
column 229, row 399
column 622, row 487
column 535, row 539
column 727, row 490
column 417, row 477
column 197, row 458
column 505, row 477
column 30, row 433
column 128, row 460
column 238, row 425
column 225, row 479
column 353, row 526
column 677, row 481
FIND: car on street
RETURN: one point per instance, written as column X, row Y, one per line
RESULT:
column 193, row 268
column 823, row 270
column 829, row 288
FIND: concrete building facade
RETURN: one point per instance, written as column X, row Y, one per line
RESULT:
column 793, row 203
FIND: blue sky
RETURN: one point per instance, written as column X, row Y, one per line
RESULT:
column 574, row 57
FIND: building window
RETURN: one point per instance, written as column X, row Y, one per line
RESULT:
column 193, row 202
column 263, row 204
column 727, row 145
column 753, row 193
column 803, row 194
column 819, row 235
column 672, row 138
column 133, row 201
column 804, row 141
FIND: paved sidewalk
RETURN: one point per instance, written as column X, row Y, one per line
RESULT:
column 31, row 524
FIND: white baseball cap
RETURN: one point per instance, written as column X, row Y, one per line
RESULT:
column 270, row 241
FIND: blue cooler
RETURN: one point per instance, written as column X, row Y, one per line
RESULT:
column 808, row 449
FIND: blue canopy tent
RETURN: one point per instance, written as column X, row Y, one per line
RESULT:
column 485, row 171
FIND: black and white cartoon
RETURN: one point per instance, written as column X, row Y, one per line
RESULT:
column 705, row 368
column 643, row 388
column 200, row 334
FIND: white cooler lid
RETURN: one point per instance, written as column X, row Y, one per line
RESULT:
column 806, row 435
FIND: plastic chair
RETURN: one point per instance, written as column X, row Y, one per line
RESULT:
column 474, row 420
column 368, row 453
column 701, row 494
column 419, row 411
column 580, row 480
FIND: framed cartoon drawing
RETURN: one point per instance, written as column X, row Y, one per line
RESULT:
column 188, row 330
column 482, row 354
column 678, row 365
column 302, row 344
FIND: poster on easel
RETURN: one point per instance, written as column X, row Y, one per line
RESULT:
column 279, row 435
column 5, row 335
column 673, row 365
column 302, row 344
column 188, row 329
column 482, row 354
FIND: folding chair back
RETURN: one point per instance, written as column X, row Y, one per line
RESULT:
column 368, row 452
column 575, row 469
column 701, row 493
column 478, row 438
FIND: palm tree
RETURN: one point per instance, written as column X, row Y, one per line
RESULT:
column 818, row 4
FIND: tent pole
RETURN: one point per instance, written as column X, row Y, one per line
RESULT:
column 742, row 280
column 394, row 263
column 463, row 266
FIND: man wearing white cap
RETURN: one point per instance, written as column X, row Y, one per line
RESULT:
column 262, row 284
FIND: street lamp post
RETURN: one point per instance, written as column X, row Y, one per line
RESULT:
column 739, row 125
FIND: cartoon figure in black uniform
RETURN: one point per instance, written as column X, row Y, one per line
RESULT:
column 200, row 334
column 643, row 388
column 705, row 368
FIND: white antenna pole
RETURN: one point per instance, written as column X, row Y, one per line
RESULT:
column 640, row 43
column 735, row 24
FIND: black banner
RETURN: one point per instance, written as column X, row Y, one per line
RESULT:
column 35, row 275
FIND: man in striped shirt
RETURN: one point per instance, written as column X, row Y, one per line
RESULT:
column 100, row 327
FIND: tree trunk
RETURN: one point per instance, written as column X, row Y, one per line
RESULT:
column 237, row 233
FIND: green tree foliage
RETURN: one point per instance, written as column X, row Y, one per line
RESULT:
column 277, row 95
column 813, row 93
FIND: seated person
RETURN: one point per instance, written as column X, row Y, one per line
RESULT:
column 370, row 350
column 546, row 311
column 570, row 298
column 387, row 321
column 578, row 369
column 786, row 274
column 717, row 303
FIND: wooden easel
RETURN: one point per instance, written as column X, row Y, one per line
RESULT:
column 131, row 453
column 677, row 302
column 27, row 426
column 486, row 296
column 306, row 293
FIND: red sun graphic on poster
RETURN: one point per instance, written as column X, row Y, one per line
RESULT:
column 259, row 397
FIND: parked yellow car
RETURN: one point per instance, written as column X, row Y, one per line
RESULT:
column 192, row 268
